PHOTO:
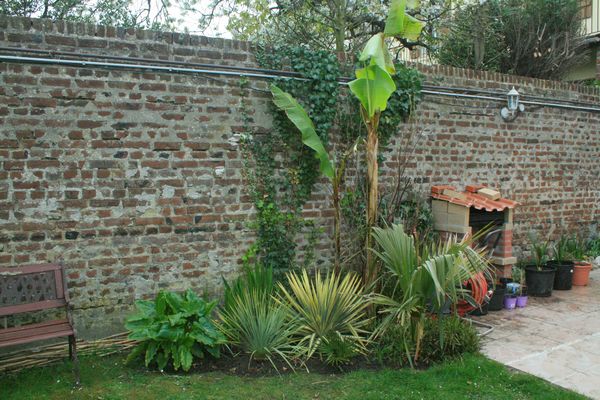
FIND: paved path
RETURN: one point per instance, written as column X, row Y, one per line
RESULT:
column 556, row 338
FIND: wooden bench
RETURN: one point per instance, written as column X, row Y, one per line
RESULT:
column 31, row 288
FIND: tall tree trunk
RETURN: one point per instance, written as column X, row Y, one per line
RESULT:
column 340, row 25
column 370, row 273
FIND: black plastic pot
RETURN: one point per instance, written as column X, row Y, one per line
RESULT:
column 505, row 281
column 563, row 279
column 497, row 301
column 539, row 282
column 483, row 310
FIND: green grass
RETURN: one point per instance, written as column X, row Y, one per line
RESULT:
column 473, row 377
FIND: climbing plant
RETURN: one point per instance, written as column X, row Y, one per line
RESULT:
column 318, row 94
column 280, row 172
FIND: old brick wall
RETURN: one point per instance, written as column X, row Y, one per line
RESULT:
column 134, row 178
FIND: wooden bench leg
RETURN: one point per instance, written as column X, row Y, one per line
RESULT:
column 74, row 359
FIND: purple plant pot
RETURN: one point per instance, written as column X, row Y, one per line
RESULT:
column 510, row 302
column 521, row 301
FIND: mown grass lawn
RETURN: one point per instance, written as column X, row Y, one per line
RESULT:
column 473, row 377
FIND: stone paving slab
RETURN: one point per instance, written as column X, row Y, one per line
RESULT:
column 555, row 338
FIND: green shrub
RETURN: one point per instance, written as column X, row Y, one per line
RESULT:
column 174, row 328
column 330, row 313
column 389, row 348
column 447, row 338
column 253, row 321
column 443, row 339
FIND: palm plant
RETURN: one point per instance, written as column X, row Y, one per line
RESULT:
column 330, row 312
column 425, row 280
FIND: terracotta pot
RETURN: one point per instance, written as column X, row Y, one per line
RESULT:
column 581, row 274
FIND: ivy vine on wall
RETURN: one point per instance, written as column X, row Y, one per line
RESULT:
column 279, row 171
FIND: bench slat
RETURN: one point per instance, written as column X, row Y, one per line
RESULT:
column 28, row 307
column 29, row 269
column 34, row 331
column 43, row 336
column 27, row 327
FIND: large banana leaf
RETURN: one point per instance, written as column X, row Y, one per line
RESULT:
column 373, row 87
column 376, row 51
column 399, row 23
column 294, row 111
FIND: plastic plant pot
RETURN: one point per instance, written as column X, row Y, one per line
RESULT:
column 521, row 301
column 581, row 273
column 539, row 282
column 563, row 279
column 510, row 302
column 497, row 301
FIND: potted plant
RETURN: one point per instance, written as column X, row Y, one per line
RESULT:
column 582, row 268
column 518, row 275
column 563, row 279
column 539, row 277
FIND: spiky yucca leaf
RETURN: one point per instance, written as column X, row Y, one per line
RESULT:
column 259, row 326
column 326, row 307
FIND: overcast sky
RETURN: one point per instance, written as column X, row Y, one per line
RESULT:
column 189, row 21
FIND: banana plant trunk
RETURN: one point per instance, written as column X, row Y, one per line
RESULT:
column 372, row 196
column 337, row 227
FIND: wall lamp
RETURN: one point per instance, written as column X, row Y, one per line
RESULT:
column 513, row 108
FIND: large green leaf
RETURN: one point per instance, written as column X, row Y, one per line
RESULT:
column 150, row 352
column 294, row 111
column 376, row 51
column 161, row 303
column 373, row 87
column 412, row 28
column 399, row 23
column 185, row 357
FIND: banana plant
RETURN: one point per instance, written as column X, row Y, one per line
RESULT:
column 298, row 116
column 373, row 87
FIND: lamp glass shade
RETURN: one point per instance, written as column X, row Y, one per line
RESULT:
column 513, row 99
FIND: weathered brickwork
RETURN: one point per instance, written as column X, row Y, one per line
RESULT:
column 134, row 180
column 598, row 63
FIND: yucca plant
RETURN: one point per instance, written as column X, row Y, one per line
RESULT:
column 253, row 321
column 259, row 326
column 424, row 280
column 330, row 312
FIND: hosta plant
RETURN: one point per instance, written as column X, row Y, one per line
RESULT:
column 174, row 328
column 330, row 312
